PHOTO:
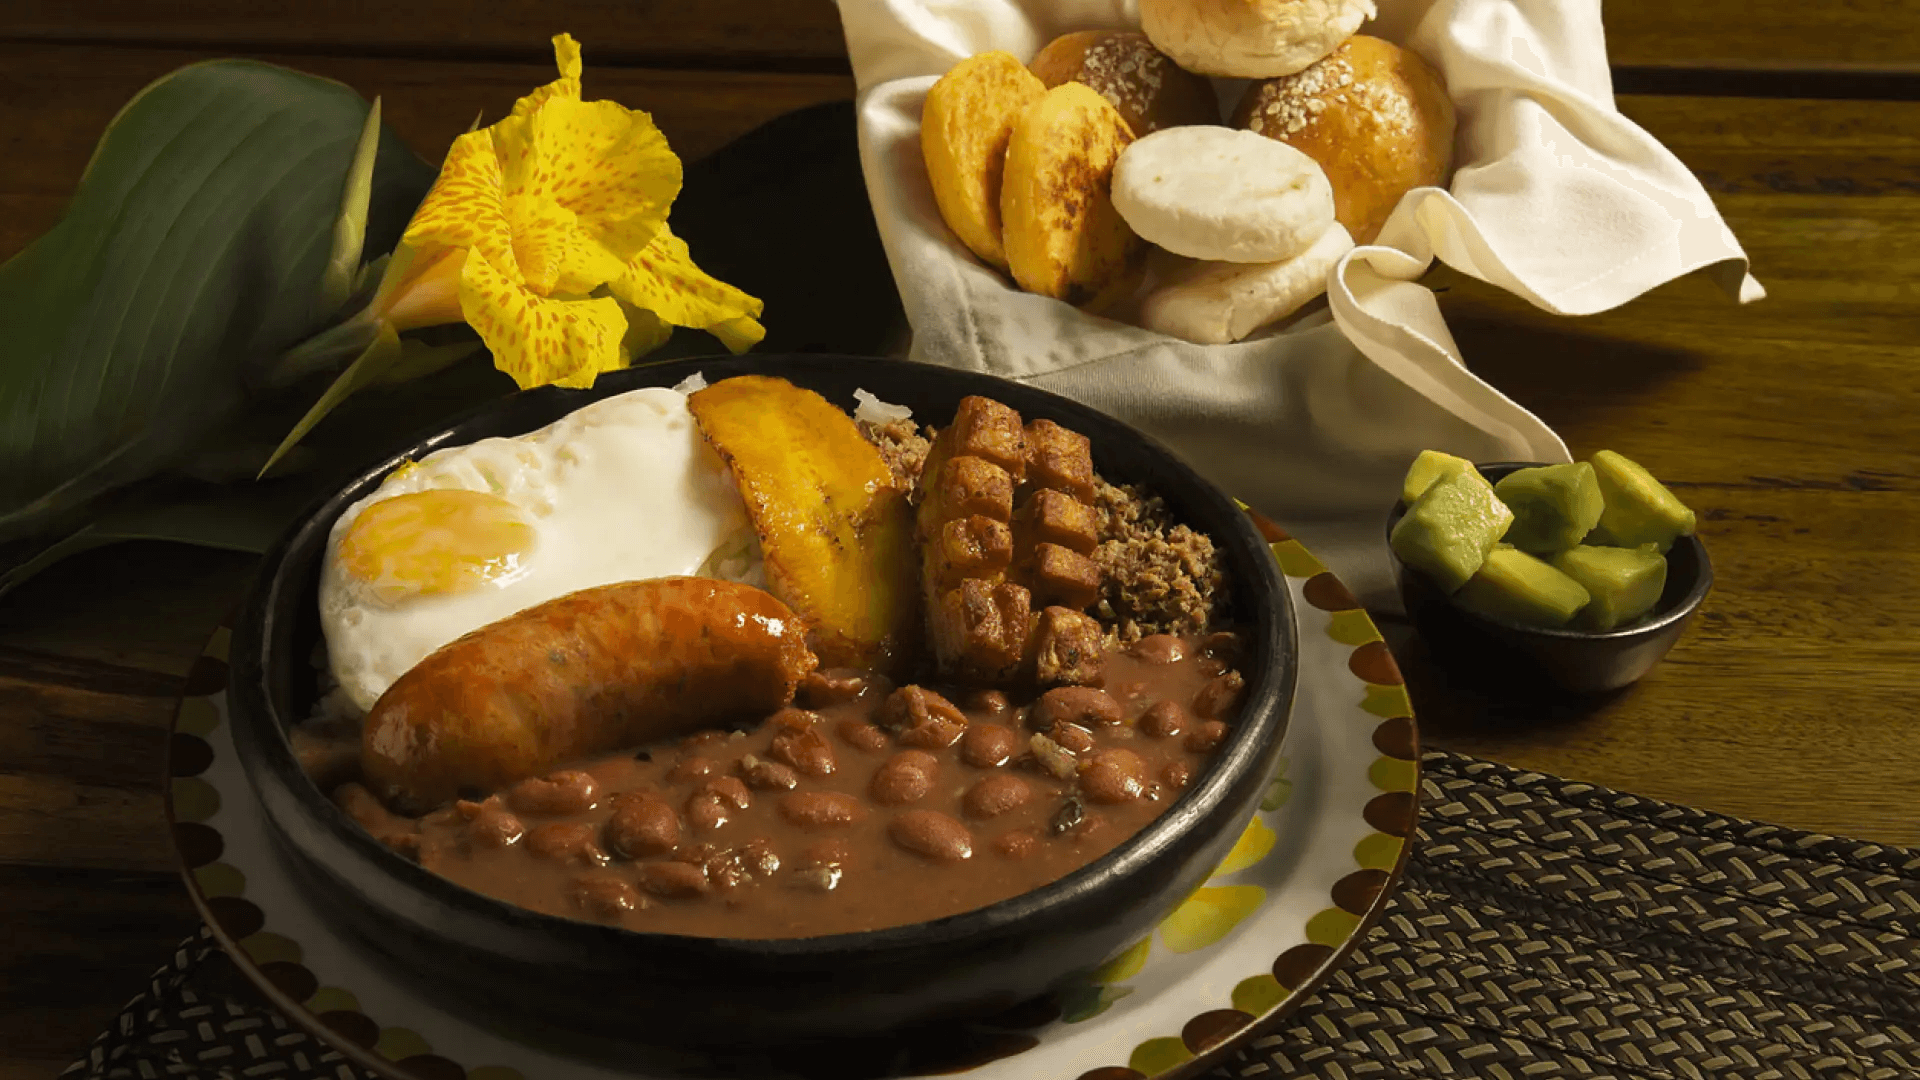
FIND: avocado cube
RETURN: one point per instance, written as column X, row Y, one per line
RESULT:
column 1517, row 587
column 1640, row 509
column 1431, row 465
column 1554, row 506
column 1449, row 529
column 1625, row 583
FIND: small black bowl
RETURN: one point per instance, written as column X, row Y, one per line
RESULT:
column 588, row 986
column 1583, row 661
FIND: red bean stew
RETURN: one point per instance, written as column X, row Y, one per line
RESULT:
column 870, row 807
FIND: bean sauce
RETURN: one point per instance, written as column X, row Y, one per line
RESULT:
column 870, row 806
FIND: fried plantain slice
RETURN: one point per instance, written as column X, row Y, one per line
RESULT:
column 835, row 533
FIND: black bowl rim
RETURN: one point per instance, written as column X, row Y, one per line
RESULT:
column 1278, row 683
column 1679, row 612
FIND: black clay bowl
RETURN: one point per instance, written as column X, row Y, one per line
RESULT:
column 564, row 978
column 1581, row 661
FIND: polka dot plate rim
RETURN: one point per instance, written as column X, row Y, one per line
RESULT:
column 1310, row 874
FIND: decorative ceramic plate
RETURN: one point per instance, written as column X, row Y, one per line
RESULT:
column 1309, row 875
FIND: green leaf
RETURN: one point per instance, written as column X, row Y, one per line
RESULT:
column 191, row 257
column 350, row 228
column 380, row 354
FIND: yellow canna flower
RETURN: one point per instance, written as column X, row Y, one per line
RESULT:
column 547, row 233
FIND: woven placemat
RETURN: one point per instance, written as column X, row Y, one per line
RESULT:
column 1545, row 929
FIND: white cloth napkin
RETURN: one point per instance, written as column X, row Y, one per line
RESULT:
column 1556, row 197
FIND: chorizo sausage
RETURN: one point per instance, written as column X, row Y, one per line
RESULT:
column 582, row 674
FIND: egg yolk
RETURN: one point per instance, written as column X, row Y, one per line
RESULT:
column 430, row 542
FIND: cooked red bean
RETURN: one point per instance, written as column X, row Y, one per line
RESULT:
column 932, row 834
column 995, row 794
column 641, row 826
column 1074, row 738
column 1220, row 698
column 823, row 688
column 1081, row 705
column 676, row 880
column 493, row 827
column 820, row 809
column 1206, row 736
column 988, row 746
column 1212, row 665
column 1017, row 844
column 706, row 812
column 1115, row 776
column 567, row 792
column 1164, row 719
column 729, row 790
column 571, row 840
column 606, row 897
column 691, row 768
column 794, row 720
column 986, row 701
column 861, row 735
column 808, row 751
column 1225, row 645
column 1158, row 649
column 1176, row 774
column 935, row 734
column 766, row 775
column 911, row 706
column 906, row 777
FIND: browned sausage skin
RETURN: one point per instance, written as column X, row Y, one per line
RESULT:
column 582, row 674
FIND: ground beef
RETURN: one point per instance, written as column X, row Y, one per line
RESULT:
column 903, row 446
column 1160, row 578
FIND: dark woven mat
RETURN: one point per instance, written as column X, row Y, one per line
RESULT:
column 1545, row 929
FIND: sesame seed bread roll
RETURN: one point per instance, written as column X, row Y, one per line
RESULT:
column 1250, row 39
column 1216, row 303
column 964, row 128
column 1148, row 88
column 1374, row 115
column 1063, row 237
column 1222, row 194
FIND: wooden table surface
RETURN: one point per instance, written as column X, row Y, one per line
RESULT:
column 1793, row 425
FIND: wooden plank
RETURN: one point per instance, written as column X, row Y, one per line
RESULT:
column 806, row 34
column 79, row 945
column 428, row 103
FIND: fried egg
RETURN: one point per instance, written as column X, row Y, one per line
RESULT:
column 621, row 490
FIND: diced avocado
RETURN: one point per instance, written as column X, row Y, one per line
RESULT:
column 1640, row 509
column 1625, row 582
column 1515, row 586
column 1554, row 506
column 1431, row 465
column 1449, row 529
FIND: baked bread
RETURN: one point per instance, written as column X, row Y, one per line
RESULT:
column 964, row 129
column 1222, row 194
column 1374, row 115
column 1250, row 39
column 1214, row 303
column 1149, row 89
column 1063, row 237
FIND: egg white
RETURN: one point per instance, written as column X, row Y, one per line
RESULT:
column 621, row 490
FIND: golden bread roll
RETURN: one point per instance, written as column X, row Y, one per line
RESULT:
column 964, row 129
column 1063, row 237
column 1149, row 89
column 1374, row 115
column 1250, row 39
